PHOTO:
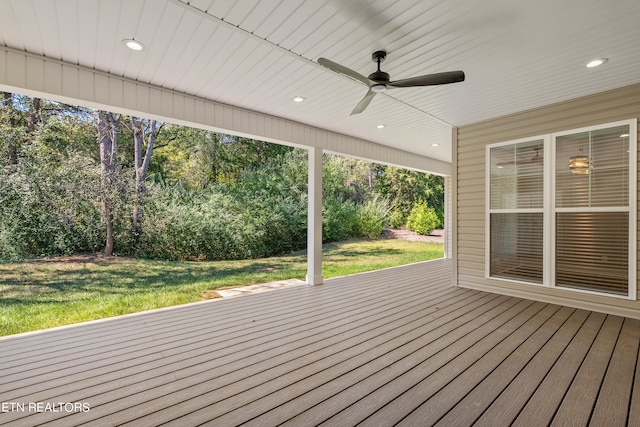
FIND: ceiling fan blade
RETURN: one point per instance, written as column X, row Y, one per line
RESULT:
column 430, row 79
column 364, row 103
column 343, row 70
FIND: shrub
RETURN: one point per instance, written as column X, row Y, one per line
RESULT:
column 422, row 219
column 372, row 217
column 189, row 225
column 339, row 219
column 49, row 209
column 397, row 220
column 212, row 224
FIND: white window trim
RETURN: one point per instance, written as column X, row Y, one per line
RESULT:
column 549, row 209
column 631, row 208
column 489, row 211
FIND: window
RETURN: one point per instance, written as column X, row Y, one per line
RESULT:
column 565, row 219
column 516, row 210
column 592, row 210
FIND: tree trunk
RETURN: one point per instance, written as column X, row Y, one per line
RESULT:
column 107, row 139
column 33, row 120
column 12, row 145
column 371, row 177
column 144, row 133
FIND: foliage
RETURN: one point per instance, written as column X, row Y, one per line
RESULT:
column 422, row 219
column 207, row 196
column 372, row 217
column 338, row 219
column 50, row 292
column 253, row 218
column 48, row 209
column 397, row 220
column 344, row 178
column 405, row 188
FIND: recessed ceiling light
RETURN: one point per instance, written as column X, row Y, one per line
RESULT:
column 435, row 144
column 133, row 44
column 596, row 62
column 298, row 99
column 380, row 126
column 624, row 135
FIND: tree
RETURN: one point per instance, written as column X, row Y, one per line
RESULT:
column 145, row 133
column 346, row 178
column 107, row 140
column 33, row 119
column 11, row 129
column 405, row 188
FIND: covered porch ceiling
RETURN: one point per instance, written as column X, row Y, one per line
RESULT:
column 259, row 55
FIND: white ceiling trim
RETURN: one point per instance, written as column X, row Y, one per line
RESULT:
column 37, row 75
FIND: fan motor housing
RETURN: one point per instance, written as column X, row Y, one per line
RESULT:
column 379, row 76
column 379, row 56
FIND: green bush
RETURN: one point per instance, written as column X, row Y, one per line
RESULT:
column 51, row 204
column 397, row 220
column 422, row 219
column 372, row 217
column 49, row 209
column 185, row 224
column 339, row 219
column 202, row 228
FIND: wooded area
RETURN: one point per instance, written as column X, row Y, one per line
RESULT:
column 77, row 180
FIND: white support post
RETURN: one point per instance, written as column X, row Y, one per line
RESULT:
column 314, row 219
column 447, row 217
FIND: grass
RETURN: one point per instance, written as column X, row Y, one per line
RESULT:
column 44, row 293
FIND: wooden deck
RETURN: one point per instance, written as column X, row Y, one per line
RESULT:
column 398, row 346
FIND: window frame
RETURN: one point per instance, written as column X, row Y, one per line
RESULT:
column 549, row 209
column 488, row 211
column 631, row 208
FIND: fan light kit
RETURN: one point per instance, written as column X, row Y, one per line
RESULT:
column 379, row 81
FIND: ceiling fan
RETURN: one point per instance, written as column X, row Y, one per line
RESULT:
column 378, row 81
column 537, row 158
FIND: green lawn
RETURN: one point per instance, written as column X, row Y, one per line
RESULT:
column 50, row 292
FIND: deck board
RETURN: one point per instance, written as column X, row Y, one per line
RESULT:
column 496, row 400
column 201, row 351
column 542, row 406
column 578, row 403
column 612, row 405
column 436, row 369
column 464, row 400
column 204, row 330
column 357, row 384
column 479, row 361
column 396, row 346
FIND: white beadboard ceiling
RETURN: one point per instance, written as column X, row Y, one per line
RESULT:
column 258, row 55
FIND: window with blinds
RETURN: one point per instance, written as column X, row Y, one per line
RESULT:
column 561, row 210
column 516, row 197
column 592, row 210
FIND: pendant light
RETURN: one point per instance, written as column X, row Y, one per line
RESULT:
column 580, row 163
